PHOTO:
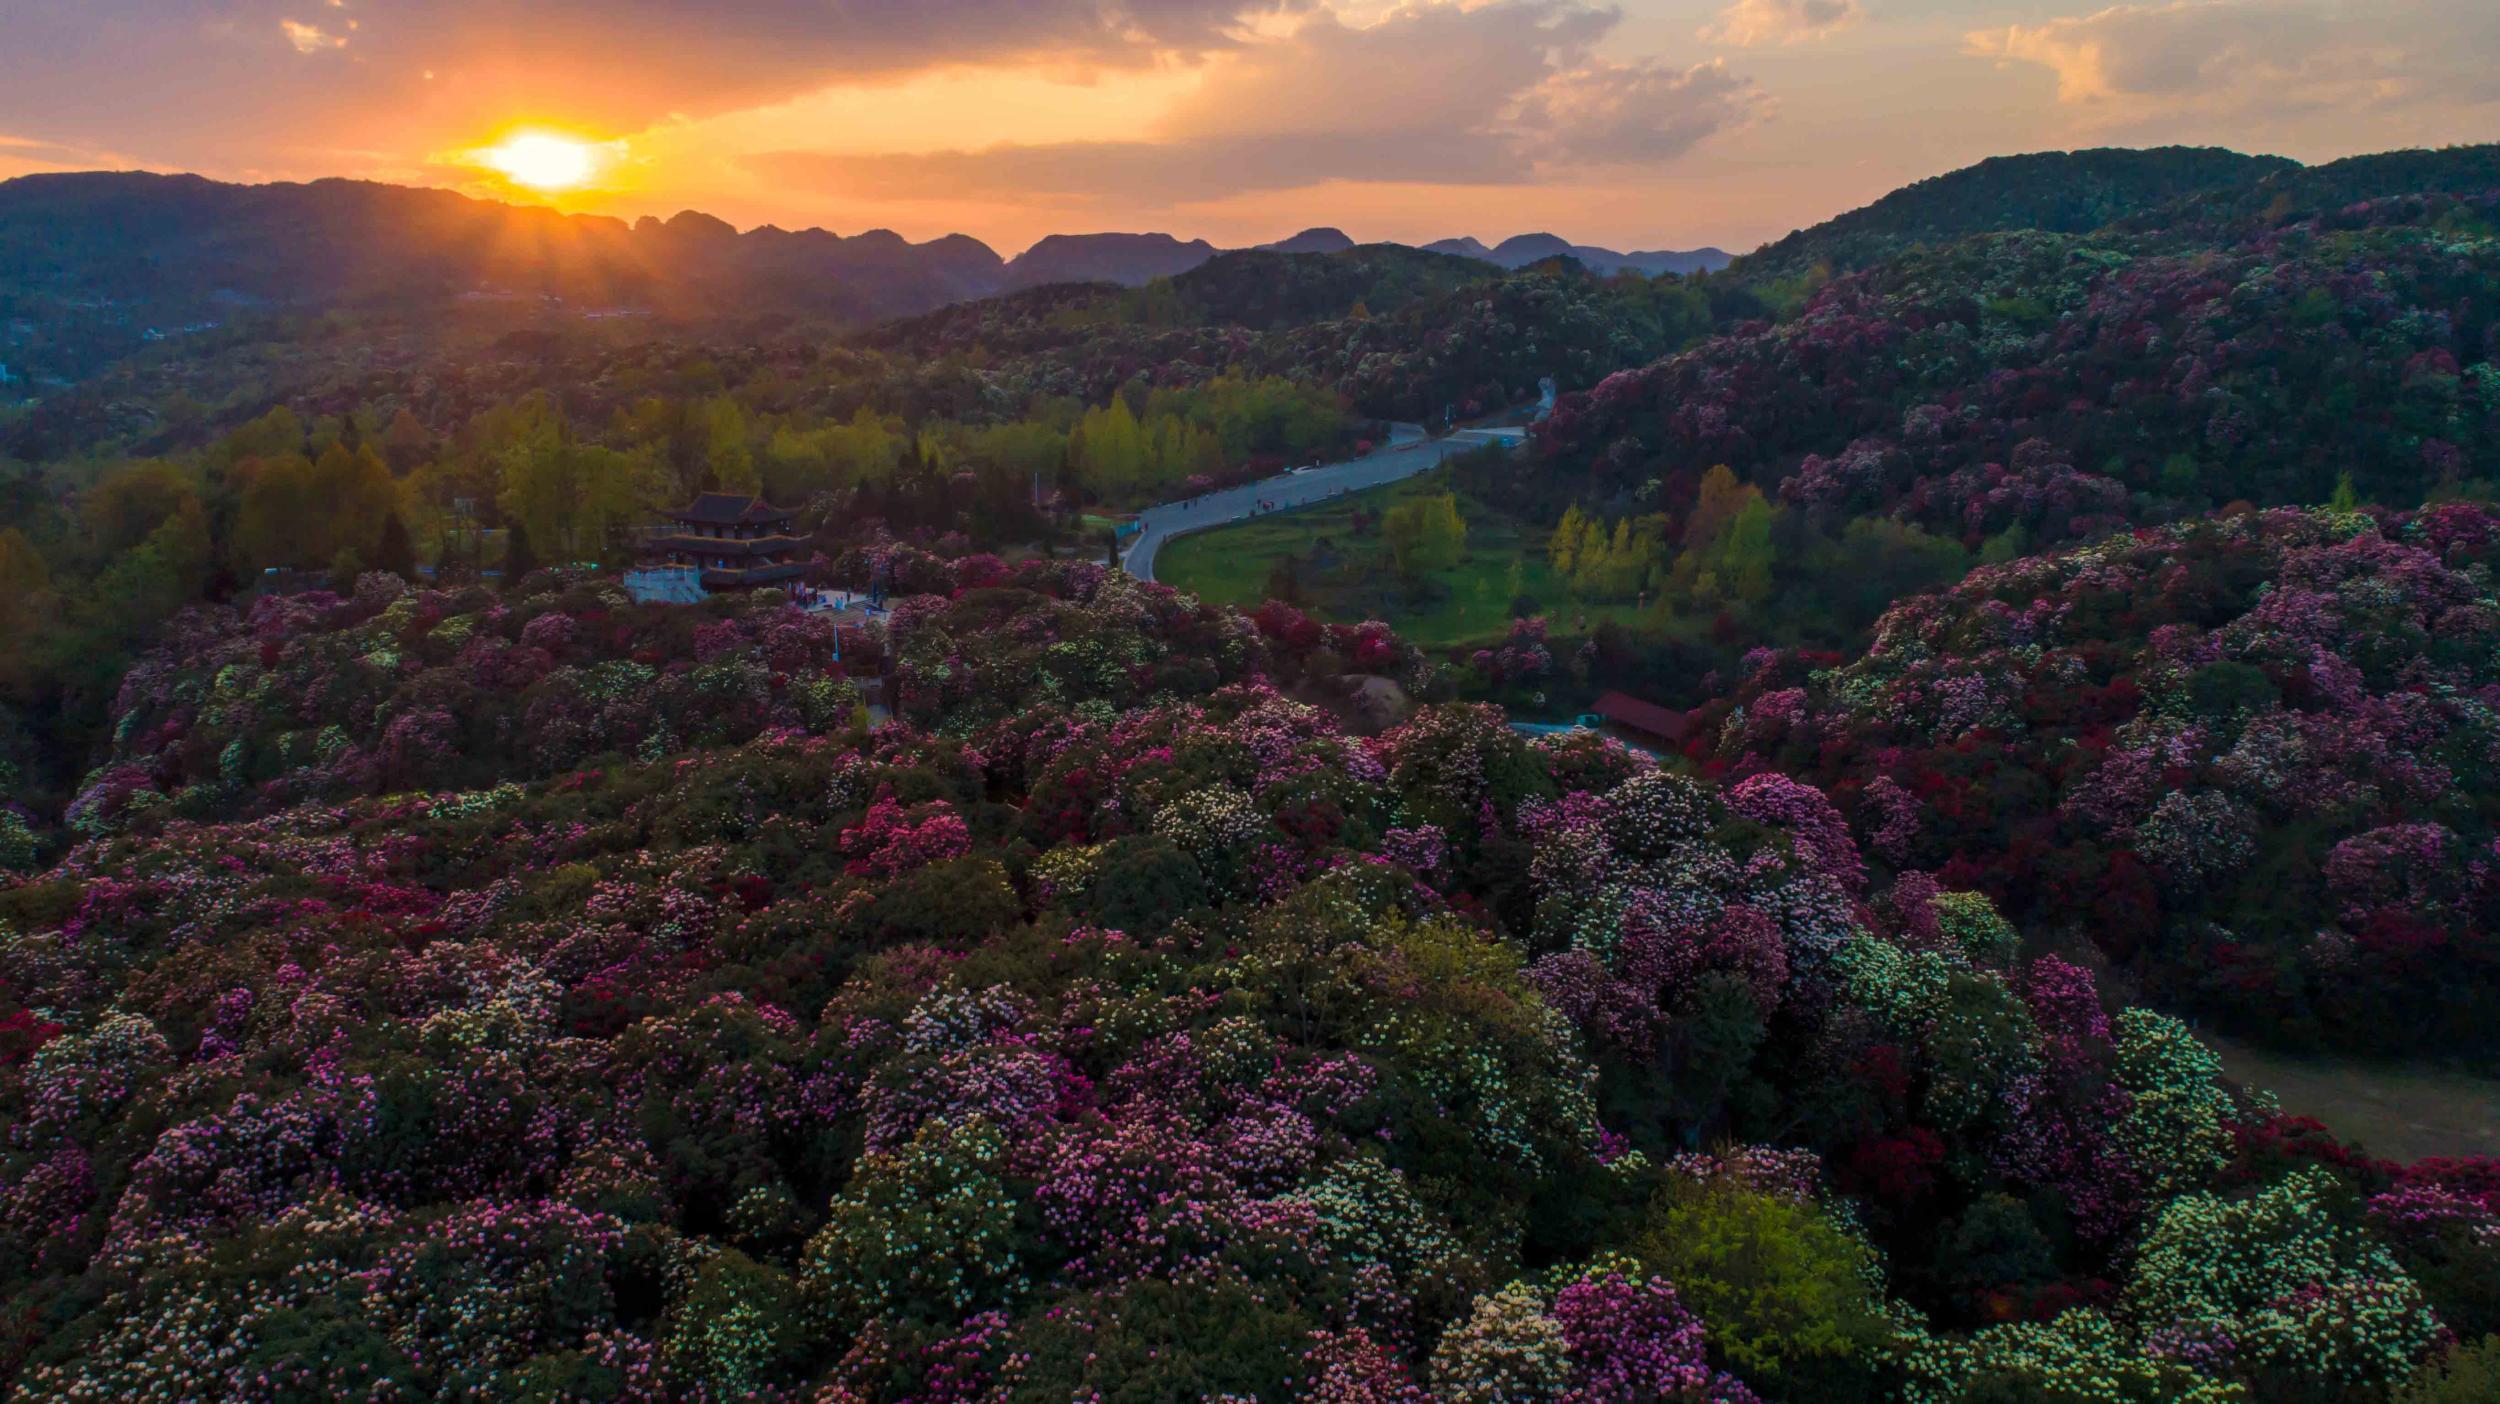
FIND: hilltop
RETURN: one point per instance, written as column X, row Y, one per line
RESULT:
column 2064, row 192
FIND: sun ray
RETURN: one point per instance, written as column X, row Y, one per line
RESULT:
column 544, row 161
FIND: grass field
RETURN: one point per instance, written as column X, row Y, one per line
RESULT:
column 2398, row 1111
column 1358, row 578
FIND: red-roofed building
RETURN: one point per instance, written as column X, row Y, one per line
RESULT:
column 1624, row 710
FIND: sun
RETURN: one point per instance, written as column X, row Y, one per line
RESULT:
column 543, row 161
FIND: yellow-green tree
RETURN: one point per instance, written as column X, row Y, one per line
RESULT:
column 355, row 494
column 1721, row 497
column 1563, row 547
column 132, row 501
column 575, row 499
column 1426, row 534
column 1597, row 561
column 1110, row 449
column 800, row 461
column 1728, row 550
column 727, row 455
column 1745, row 559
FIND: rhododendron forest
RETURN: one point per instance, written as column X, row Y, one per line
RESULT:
column 964, row 971
column 452, row 994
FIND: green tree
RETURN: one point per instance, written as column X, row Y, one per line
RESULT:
column 406, row 445
column 274, row 435
column 575, row 497
column 395, row 552
column 25, row 603
column 519, row 557
column 278, row 519
column 1745, row 560
column 1996, row 1244
column 2469, row 1374
column 1785, row 1292
column 144, row 585
column 131, row 502
column 352, row 494
column 1879, row 560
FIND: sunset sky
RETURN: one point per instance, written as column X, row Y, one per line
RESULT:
column 1649, row 124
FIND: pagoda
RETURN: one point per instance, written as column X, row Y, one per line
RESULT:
column 734, row 542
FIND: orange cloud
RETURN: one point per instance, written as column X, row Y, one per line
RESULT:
column 1750, row 22
column 2130, row 62
column 1498, row 95
column 310, row 38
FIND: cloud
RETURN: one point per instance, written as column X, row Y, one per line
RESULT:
column 1750, row 22
column 1639, row 113
column 763, row 49
column 2130, row 62
column 310, row 38
column 1433, row 94
column 118, row 69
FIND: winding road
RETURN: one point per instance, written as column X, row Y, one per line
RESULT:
column 1409, row 451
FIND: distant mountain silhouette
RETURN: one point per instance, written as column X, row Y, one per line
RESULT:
column 1322, row 240
column 1521, row 250
column 1132, row 259
column 94, row 265
column 98, row 264
column 1129, row 259
column 1524, row 249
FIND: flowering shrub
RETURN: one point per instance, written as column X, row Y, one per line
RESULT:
column 1148, row 1033
column 2253, row 757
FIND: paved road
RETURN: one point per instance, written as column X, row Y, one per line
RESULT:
column 1407, row 453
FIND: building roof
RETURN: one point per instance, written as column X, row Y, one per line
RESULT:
column 727, row 545
column 730, row 509
column 1625, row 710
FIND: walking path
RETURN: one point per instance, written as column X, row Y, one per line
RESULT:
column 1409, row 452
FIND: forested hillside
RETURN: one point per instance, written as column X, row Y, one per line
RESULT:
column 1399, row 333
column 2057, row 192
column 2254, row 759
column 2053, row 382
column 1109, row 1023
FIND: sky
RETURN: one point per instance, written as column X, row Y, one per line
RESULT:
column 1643, row 124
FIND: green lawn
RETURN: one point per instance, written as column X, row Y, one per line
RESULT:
column 1357, row 578
column 2403, row 1111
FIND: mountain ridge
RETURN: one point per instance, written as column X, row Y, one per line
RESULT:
column 95, row 263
